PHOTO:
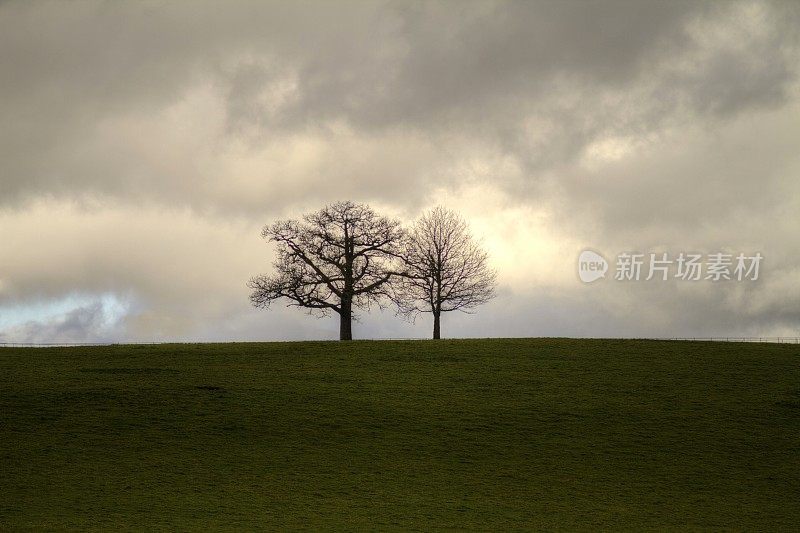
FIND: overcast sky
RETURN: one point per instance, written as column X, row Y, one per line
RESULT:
column 144, row 145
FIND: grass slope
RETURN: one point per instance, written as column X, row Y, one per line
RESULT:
column 484, row 434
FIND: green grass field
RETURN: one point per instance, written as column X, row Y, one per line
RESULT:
column 412, row 435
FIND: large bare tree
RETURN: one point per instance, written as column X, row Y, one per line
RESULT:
column 336, row 259
column 445, row 269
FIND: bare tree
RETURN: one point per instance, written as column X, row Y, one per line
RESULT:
column 336, row 259
column 445, row 269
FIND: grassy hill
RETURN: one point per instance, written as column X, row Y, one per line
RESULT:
column 484, row 434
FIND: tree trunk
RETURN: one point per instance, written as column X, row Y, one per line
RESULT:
column 436, row 327
column 346, row 321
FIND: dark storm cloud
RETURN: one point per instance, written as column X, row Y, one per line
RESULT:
column 440, row 70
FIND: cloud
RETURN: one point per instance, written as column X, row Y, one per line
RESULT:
column 94, row 321
column 144, row 145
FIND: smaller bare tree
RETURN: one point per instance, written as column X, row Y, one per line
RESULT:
column 445, row 269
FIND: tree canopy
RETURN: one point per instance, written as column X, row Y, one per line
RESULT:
column 445, row 269
column 335, row 259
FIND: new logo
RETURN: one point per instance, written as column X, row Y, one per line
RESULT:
column 591, row 266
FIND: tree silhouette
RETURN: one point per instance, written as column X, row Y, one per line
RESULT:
column 445, row 269
column 336, row 259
